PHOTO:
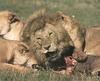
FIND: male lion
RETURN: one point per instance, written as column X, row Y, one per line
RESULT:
column 15, row 54
column 47, row 36
column 10, row 25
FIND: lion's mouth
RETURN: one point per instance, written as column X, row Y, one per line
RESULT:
column 56, row 59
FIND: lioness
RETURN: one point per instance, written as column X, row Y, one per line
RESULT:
column 92, row 40
column 75, row 32
column 14, row 54
column 10, row 25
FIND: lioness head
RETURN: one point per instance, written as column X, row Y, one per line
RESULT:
column 74, row 30
column 10, row 25
column 23, row 56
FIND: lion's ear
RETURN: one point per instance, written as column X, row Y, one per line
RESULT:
column 13, row 18
column 59, row 12
column 61, row 15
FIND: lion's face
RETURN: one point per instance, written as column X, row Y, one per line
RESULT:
column 23, row 56
column 10, row 25
column 4, row 22
column 49, row 41
column 15, row 31
column 48, row 37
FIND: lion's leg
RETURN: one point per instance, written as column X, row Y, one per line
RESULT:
column 6, row 66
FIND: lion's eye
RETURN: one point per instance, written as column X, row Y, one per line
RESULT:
column 23, row 51
column 26, row 51
column 50, row 33
column 62, row 18
column 38, row 38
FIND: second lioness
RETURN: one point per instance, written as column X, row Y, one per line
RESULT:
column 15, row 54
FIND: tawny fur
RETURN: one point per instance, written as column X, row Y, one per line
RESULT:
column 46, row 30
column 15, row 55
column 11, row 25
column 92, row 40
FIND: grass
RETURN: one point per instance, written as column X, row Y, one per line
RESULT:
column 43, row 76
column 31, row 76
column 87, row 12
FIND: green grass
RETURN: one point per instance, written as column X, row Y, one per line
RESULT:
column 43, row 76
column 31, row 76
column 87, row 12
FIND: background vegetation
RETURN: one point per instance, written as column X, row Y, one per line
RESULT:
column 87, row 12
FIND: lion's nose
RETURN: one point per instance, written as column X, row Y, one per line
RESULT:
column 47, row 47
column 52, row 48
